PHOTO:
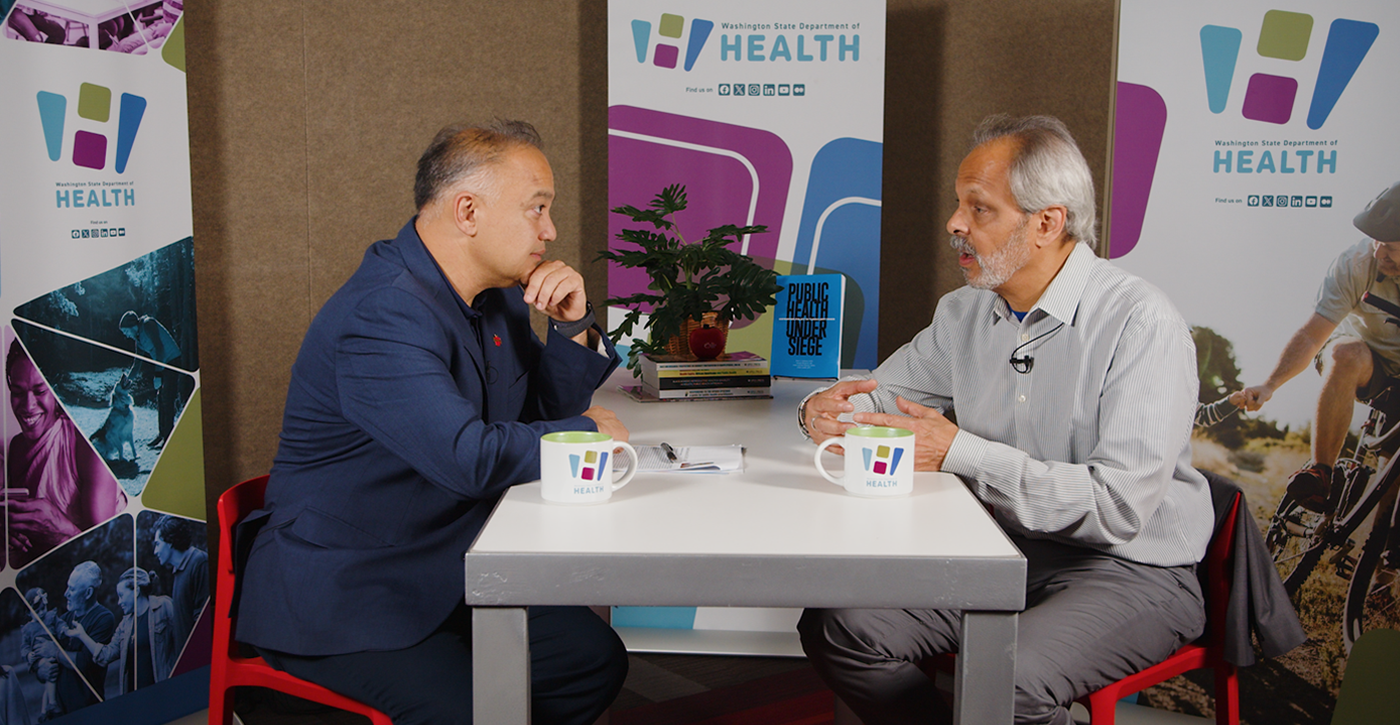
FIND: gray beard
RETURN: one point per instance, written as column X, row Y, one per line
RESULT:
column 999, row 266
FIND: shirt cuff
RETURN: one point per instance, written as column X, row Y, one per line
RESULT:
column 572, row 329
column 965, row 454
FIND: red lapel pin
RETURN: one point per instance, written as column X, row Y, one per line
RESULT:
column 497, row 339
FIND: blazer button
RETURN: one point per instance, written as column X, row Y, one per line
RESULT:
column 491, row 375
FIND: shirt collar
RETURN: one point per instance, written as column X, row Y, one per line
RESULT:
column 422, row 265
column 1061, row 298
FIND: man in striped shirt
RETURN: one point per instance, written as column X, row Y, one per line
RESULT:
column 1073, row 384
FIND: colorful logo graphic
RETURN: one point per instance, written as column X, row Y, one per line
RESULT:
column 94, row 104
column 593, row 465
column 671, row 26
column 1285, row 36
column 882, row 460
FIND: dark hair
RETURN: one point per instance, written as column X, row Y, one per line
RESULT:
column 173, row 531
column 1047, row 169
column 15, row 355
column 461, row 150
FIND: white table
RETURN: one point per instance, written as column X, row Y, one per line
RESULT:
column 776, row 535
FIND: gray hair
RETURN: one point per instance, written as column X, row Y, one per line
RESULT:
column 89, row 571
column 1047, row 170
column 461, row 151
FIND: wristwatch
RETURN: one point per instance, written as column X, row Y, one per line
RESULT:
column 570, row 329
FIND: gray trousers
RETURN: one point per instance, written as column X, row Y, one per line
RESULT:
column 1090, row 619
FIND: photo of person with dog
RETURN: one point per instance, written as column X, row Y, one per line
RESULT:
column 117, row 348
column 113, row 397
column 57, row 485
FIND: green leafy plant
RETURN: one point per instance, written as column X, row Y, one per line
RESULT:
column 687, row 279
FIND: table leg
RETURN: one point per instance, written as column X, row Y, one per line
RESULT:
column 500, row 666
column 985, row 686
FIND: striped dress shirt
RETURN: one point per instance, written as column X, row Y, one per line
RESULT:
column 1091, row 446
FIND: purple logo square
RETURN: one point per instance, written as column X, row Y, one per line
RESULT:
column 89, row 150
column 880, row 467
column 1269, row 98
column 587, row 474
column 666, row 55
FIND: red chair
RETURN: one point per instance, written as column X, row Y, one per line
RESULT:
column 228, row 669
column 1208, row 651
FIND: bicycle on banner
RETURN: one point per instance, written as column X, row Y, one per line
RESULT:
column 1302, row 534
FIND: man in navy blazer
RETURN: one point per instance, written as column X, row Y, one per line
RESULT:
column 420, row 395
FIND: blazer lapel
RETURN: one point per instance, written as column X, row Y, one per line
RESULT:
column 425, row 269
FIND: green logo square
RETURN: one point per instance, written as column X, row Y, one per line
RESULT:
column 1285, row 35
column 95, row 102
column 883, row 451
column 671, row 25
column 590, row 457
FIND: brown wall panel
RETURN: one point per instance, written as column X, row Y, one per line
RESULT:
column 248, row 178
column 307, row 117
column 950, row 64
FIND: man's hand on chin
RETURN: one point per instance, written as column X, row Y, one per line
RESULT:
column 556, row 289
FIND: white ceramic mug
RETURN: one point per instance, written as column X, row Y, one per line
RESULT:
column 879, row 461
column 576, row 467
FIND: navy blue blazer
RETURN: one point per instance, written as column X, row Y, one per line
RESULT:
column 409, row 413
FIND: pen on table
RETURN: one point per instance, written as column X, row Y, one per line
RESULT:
column 670, row 452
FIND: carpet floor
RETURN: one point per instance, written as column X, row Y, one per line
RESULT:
column 660, row 690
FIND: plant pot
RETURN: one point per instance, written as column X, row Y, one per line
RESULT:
column 679, row 345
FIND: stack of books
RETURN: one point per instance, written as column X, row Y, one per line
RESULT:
column 734, row 375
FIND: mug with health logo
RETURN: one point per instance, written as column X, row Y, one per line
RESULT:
column 577, row 466
column 879, row 461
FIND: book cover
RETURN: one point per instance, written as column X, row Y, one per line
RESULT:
column 640, row 394
column 807, row 326
column 727, row 361
column 657, row 368
column 714, row 381
column 707, row 393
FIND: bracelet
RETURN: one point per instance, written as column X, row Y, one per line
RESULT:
column 802, row 414
column 570, row 329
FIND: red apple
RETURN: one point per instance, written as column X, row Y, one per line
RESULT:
column 707, row 343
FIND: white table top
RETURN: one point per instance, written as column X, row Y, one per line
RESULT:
column 779, row 519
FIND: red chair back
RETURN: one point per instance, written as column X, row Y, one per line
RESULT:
column 1214, row 572
column 227, row 668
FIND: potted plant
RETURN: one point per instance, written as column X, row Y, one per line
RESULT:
column 691, row 282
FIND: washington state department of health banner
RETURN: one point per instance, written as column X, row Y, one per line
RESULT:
column 768, row 113
column 1248, row 135
column 105, row 579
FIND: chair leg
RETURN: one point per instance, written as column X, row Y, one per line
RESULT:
column 1227, row 695
column 220, row 706
column 1103, row 707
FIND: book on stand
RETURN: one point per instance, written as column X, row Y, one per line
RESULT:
column 807, row 326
